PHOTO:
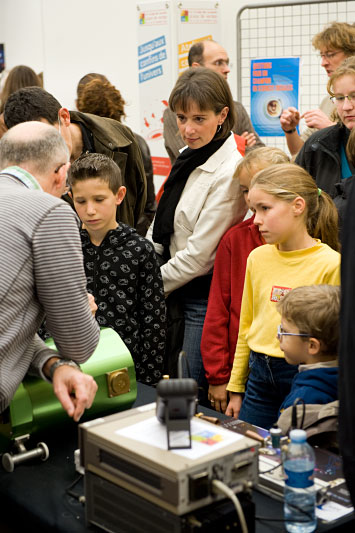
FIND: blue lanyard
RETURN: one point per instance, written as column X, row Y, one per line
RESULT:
column 345, row 168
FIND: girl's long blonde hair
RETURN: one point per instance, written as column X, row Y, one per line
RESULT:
column 287, row 182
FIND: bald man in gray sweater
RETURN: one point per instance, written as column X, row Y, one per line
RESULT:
column 41, row 271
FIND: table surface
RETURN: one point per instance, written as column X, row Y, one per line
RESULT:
column 35, row 494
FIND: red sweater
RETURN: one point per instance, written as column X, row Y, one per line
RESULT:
column 220, row 330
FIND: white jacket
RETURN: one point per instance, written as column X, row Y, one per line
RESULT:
column 210, row 204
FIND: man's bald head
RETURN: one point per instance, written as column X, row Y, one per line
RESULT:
column 33, row 145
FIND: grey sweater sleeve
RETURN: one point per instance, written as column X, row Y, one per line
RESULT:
column 61, row 288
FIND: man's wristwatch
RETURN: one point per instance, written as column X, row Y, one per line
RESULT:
column 62, row 362
column 289, row 131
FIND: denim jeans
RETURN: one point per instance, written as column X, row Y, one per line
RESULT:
column 195, row 312
column 269, row 383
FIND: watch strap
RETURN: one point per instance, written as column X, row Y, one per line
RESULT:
column 61, row 362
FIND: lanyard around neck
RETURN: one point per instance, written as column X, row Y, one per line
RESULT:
column 22, row 175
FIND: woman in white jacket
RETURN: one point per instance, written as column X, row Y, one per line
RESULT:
column 201, row 200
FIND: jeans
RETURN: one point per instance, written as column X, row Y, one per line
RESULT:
column 194, row 313
column 269, row 383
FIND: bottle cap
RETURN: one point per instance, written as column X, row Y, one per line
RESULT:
column 298, row 435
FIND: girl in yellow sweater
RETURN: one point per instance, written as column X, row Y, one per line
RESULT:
column 299, row 223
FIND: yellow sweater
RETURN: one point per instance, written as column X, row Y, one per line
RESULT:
column 270, row 274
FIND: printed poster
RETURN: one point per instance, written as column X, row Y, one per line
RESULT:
column 155, row 77
column 274, row 85
column 197, row 21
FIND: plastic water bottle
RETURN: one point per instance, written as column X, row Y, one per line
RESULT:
column 300, row 496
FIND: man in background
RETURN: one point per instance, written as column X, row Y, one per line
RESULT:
column 335, row 43
column 85, row 133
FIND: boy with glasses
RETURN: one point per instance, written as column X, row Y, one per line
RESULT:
column 309, row 336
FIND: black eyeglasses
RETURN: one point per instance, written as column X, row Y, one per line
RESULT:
column 59, row 167
column 281, row 332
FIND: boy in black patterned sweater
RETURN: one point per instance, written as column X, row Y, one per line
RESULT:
column 121, row 267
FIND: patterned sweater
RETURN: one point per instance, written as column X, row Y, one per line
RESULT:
column 124, row 276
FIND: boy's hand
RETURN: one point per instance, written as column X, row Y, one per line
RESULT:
column 234, row 405
column 74, row 389
column 218, row 396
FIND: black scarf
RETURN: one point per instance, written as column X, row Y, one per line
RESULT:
column 186, row 163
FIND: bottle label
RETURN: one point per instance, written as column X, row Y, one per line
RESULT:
column 299, row 480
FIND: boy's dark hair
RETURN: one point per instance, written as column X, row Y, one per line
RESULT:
column 314, row 310
column 30, row 103
column 91, row 166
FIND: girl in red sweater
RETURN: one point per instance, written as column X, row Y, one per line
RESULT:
column 220, row 330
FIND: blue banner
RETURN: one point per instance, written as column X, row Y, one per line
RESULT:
column 150, row 74
column 274, row 86
column 151, row 45
column 151, row 59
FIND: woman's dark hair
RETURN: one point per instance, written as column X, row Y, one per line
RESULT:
column 18, row 77
column 208, row 90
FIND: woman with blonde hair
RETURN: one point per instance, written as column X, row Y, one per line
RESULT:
column 324, row 153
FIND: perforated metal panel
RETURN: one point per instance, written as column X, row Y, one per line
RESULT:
column 282, row 30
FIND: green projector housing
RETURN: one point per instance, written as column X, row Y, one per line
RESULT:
column 35, row 407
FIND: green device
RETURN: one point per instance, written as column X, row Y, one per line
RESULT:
column 35, row 407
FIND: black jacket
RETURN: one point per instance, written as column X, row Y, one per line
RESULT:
column 124, row 276
column 146, row 218
column 320, row 156
column 347, row 348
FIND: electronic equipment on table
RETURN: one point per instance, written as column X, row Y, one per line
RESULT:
column 333, row 498
column 126, row 459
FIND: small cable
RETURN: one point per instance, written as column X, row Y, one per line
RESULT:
column 294, row 422
column 270, row 469
column 224, row 489
column 183, row 357
column 73, row 494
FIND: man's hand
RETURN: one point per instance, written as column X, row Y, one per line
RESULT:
column 289, row 118
column 75, row 390
column 317, row 119
column 218, row 396
column 250, row 138
column 234, row 405
column 93, row 306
